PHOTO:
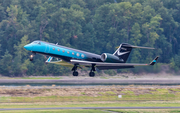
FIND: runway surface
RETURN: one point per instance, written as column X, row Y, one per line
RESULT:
column 58, row 108
column 90, row 82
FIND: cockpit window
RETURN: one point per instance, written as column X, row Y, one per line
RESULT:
column 35, row 42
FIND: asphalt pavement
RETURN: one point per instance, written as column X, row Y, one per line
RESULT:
column 91, row 82
column 58, row 108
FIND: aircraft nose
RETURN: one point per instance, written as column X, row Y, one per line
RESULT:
column 28, row 47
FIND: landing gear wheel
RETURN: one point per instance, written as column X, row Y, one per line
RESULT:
column 31, row 58
column 75, row 73
column 91, row 74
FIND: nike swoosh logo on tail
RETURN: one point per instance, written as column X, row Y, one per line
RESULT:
column 119, row 54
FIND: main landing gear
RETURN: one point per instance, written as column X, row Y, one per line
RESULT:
column 31, row 56
column 74, row 69
column 91, row 73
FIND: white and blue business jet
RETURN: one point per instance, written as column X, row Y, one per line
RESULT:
column 76, row 58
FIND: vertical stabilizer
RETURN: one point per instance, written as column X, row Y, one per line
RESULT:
column 123, row 52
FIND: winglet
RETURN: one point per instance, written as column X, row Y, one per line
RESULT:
column 49, row 59
column 154, row 61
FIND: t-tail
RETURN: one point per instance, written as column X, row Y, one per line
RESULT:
column 125, row 49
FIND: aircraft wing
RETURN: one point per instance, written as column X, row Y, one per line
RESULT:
column 103, row 65
column 60, row 62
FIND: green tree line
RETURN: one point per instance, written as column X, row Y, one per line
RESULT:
column 96, row 26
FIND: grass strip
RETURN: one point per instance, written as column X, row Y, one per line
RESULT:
column 145, row 111
column 95, row 104
column 111, row 97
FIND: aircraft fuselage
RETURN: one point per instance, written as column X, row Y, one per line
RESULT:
column 62, row 52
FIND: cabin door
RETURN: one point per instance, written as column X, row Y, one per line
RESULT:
column 47, row 48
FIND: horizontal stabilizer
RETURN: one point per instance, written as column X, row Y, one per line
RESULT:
column 137, row 47
column 154, row 61
column 142, row 47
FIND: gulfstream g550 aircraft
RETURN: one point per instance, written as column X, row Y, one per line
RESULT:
column 76, row 58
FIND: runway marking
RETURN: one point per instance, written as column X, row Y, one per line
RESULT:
column 6, row 109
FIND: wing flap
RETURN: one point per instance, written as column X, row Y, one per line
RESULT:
column 113, row 67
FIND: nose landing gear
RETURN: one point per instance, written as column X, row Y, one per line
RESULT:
column 31, row 56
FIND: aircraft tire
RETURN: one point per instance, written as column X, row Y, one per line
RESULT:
column 31, row 59
column 75, row 73
column 91, row 74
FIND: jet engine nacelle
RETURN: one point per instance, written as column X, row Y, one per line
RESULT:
column 106, row 57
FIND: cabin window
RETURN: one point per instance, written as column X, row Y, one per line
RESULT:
column 53, row 48
column 58, row 49
column 63, row 51
column 72, row 53
column 82, row 55
column 68, row 52
column 77, row 54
